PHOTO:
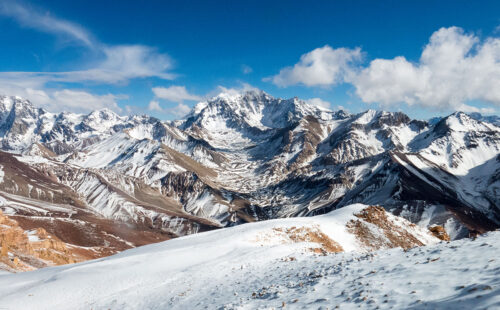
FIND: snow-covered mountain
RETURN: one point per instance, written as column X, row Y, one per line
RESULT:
column 237, row 158
column 284, row 263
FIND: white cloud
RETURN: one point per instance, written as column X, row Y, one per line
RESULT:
column 454, row 68
column 45, row 22
column 340, row 107
column 77, row 100
column 56, row 100
column 179, row 111
column 124, row 62
column 174, row 94
column 246, row 69
column 120, row 64
column 177, row 94
column 319, row 102
column 112, row 64
column 323, row 66
column 232, row 91
column 469, row 108
column 154, row 105
column 65, row 99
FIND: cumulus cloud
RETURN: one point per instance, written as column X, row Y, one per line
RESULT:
column 233, row 91
column 454, row 68
column 179, row 111
column 319, row 102
column 66, row 99
column 83, row 101
column 75, row 100
column 323, row 66
column 174, row 94
column 154, row 105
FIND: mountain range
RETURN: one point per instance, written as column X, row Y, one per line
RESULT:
column 101, row 183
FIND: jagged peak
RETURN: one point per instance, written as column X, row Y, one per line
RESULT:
column 462, row 117
column 462, row 122
column 492, row 119
column 235, row 95
column 366, row 116
column 254, row 108
column 16, row 102
column 104, row 113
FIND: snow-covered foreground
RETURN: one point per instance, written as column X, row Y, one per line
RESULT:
column 256, row 266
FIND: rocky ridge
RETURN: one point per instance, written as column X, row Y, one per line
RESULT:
column 240, row 158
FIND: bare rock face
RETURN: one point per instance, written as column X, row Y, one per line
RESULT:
column 28, row 250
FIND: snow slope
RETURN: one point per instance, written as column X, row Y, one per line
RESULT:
column 255, row 266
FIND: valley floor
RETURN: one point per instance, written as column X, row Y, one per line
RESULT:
column 231, row 269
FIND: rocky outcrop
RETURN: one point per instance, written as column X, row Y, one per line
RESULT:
column 28, row 250
column 439, row 232
column 388, row 234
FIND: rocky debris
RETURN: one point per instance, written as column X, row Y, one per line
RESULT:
column 439, row 232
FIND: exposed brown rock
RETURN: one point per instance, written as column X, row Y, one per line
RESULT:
column 20, row 253
column 306, row 234
column 393, row 236
column 439, row 232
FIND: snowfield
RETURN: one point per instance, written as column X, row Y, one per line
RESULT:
column 262, row 266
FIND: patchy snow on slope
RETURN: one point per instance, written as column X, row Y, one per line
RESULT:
column 366, row 117
column 263, row 266
column 228, row 269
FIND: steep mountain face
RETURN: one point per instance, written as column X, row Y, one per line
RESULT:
column 22, row 125
column 243, row 158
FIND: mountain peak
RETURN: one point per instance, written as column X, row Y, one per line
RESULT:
column 235, row 95
column 492, row 119
column 104, row 113
column 461, row 122
column 19, row 103
column 253, row 108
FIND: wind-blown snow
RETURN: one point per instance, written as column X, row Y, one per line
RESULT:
column 236, row 268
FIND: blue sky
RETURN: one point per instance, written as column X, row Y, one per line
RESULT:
column 425, row 58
